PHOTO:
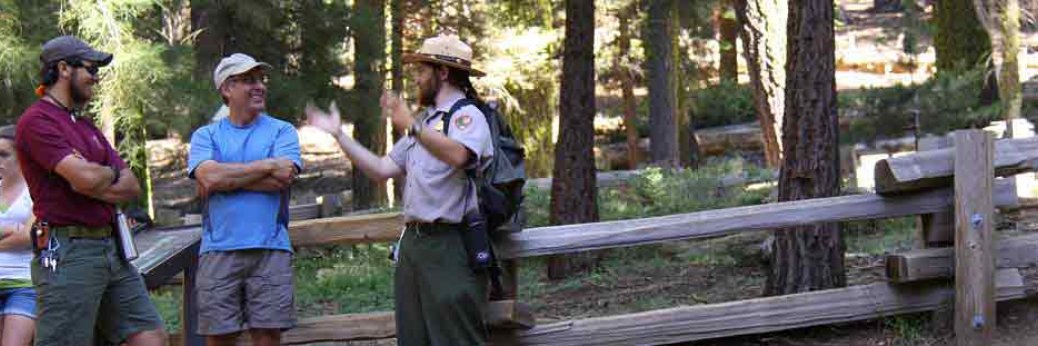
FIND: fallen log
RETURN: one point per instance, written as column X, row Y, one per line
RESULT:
column 936, row 263
column 934, row 168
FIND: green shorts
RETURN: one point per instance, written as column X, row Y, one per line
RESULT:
column 91, row 287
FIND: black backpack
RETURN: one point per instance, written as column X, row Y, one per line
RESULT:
column 500, row 183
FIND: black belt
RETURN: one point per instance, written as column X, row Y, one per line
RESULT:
column 83, row 232
column 437, row 224
column 433, row 226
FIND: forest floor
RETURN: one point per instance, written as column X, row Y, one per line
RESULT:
column 869, row 54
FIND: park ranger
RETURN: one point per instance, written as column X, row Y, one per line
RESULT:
column 440, row 299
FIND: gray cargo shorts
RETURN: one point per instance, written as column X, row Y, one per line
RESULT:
column 244, row 289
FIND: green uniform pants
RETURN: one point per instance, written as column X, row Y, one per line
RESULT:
column 440, row 300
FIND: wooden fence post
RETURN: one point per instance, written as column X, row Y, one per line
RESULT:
column 937, row 229
column 974, row 246
column 189, row 309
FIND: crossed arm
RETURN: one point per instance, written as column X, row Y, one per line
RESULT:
column 95, row 180
column 263, row 175
column 16, row 236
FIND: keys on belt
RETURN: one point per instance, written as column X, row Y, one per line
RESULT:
column 49, row 255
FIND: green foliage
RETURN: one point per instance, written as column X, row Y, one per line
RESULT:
column 961, row 43
column 909, row 329
column 656, row 192
column 717, row 105
column 523, row 78
column 168, row 301
column 947, row 102
column 24, row 26
column 524, row 13
column 341, row 279
column 722, row 104
column 877, row 237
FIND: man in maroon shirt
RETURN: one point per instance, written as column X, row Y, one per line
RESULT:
column 75, row 178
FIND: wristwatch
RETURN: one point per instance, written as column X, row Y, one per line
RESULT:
column 415, row 129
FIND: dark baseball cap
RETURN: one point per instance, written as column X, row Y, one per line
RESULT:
column 65, row 47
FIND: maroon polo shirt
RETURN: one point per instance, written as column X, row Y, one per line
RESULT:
column 46, row 134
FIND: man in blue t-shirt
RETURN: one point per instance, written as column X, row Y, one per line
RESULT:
column 244, row 165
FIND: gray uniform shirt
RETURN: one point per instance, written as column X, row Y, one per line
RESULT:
column 434, row 191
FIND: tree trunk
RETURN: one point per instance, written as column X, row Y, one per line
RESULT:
column 960, row 42
column 729, row 31
column 369, row 125
column 209, row 42
column 809, row 258
column 1009, row 90
column 396, row 9
column 663, row 125
column 573, row 189
column 688, row 147
column 764, row 48
column 627, row 87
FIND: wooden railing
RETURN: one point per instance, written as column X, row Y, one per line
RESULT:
column 926, row 191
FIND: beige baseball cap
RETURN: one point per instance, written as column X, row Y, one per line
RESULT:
column 234, row 65
column 445, row 50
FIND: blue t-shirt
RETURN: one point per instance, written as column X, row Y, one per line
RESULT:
column 244, row 219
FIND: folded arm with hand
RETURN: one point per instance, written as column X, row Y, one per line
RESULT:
column 263, row 175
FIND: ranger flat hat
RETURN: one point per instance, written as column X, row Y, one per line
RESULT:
column 447, row 50
column 65, row 47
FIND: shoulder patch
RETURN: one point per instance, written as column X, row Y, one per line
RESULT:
column 463, row 121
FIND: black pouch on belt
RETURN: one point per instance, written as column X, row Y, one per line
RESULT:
column 476, row 241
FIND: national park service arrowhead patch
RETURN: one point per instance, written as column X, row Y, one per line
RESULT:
column 463, row 122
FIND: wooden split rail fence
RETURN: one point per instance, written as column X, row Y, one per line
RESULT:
column 959, row 180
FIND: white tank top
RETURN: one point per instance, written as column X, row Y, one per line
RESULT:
column 14, row 263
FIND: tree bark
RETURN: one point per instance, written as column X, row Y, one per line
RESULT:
column 729, row 31
column 369, row 125
column 688, row 146
column 809, row 258
column 573, row 189
column 1009, row 89
column 764, row 48
column 663, row 125
column 960, row 42
column 1001, row 20
column 396, row 9
column 627, row 87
